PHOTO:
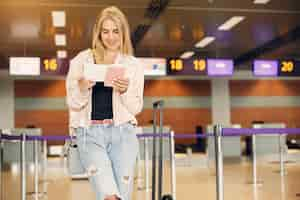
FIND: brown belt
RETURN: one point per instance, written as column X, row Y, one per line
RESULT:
column 104, row 121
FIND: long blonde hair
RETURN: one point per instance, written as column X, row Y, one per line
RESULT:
column 115, row 14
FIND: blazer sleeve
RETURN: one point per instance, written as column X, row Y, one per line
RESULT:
column 76, row 98
column 132, row 99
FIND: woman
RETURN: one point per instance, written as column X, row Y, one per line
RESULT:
column 103, row 118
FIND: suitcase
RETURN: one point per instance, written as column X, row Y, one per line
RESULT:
column 158, row 136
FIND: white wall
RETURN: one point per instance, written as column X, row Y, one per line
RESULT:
column 7, row 103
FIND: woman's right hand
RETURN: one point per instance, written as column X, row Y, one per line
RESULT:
column 85, row 84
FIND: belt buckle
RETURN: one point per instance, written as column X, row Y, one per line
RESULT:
column 104, row 121
column 107, row 121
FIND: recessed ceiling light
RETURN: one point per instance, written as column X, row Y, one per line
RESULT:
column 204, row 42
column 60, row 40
column 229, row 24
column 187, row 54
column 62, row 54
column 261, row 1
column 59, row 18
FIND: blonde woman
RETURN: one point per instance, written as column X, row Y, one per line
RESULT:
column 103, row 118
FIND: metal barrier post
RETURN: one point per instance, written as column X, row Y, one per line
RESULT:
column 157, row 105
column 139, row 175
column 45, row 182
column 219, row 162
column 282, row 187
column 23, row 167
column 255, row 192
column 36, row 170
column 254, row 162
column 254, row 165
column 146, row 157
column 281, row 154
column 154, row 156
column 172, row 160
column 160, row 165
column 1, row 163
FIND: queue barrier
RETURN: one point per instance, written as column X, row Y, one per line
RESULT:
column 218, row 134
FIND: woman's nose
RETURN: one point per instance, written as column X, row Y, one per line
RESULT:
column 110, row 35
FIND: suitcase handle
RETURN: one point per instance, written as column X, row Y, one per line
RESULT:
column 157, row 106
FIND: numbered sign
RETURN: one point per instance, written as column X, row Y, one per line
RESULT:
column 178, row 66
column 54, row 66
column 289, row 68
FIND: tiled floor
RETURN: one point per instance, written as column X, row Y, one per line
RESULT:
column 192, row 183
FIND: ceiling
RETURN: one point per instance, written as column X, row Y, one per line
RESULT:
column 164, row 28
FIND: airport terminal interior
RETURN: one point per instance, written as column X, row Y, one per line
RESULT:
column 221, row 100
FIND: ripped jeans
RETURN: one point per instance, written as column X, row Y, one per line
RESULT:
column 108, row 154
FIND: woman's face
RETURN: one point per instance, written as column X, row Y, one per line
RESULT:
column 111, row 35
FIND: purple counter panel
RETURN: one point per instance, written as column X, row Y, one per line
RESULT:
column 265, row 68
column 219, row 67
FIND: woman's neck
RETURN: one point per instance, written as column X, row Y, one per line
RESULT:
column 110, row 56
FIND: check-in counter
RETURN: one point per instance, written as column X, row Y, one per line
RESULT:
column 231, row 146
column 268, row 145
column 149, row 140
column 11, row 153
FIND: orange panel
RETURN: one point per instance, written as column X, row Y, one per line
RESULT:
column 265, row 88
column 177, row 88
column 288, row 115
column 56, row 88
column 181, row 120
column 51, row 122
column 40, row 88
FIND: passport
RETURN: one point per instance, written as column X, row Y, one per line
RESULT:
column 112, row 73
column 103, row 72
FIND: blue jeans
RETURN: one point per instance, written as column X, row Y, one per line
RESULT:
column 108, row 154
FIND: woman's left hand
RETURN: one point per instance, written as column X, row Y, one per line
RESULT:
column 121, row 84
